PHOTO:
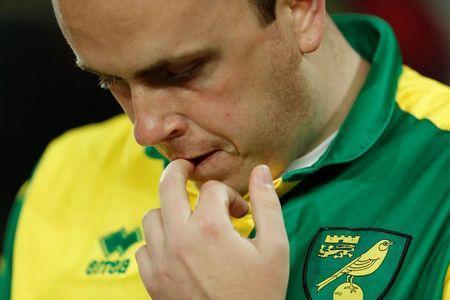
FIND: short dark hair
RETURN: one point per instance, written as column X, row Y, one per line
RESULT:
column 265, row 10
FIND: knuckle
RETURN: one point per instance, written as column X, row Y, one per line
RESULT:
column 161, row 272
column 164, row 184
column 169, row 179
column 149, row 216
column 213, row 189
column 153, row 288
column 140, row 253
column 210, row 228
column 212, row 186
column 177, row 247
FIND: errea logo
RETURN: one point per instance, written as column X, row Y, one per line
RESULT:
column 119, row 241
column 114, row 244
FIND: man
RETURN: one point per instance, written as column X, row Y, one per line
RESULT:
column 235, row 94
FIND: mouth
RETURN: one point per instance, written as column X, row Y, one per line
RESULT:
column 202, row 159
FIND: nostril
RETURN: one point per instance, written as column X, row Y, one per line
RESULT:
column 174, row 126
column 174, row 134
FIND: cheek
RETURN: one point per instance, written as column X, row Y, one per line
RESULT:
column 219, row 114
column 220, row 104
column 237, row 107
column 236, row 122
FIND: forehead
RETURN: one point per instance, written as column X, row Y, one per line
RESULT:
column 117, row 30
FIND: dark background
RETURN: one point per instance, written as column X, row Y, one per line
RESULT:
column 43, row 94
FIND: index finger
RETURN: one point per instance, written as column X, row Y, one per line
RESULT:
column 174, row 199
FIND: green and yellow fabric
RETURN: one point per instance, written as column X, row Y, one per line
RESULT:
column 368, row 220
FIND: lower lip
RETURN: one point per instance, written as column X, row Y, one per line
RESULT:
column 206, row 159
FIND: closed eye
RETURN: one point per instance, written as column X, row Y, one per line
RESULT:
column 173, row 75
column 165, row 73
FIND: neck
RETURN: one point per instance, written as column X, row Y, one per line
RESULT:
column 341, row 73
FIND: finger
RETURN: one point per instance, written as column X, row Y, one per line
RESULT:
column 175, row 207
column 153, row 233
column 144, row 265
column 266, row 208
column 217, row 201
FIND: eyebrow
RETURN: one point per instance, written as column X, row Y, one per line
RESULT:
column 155, row 66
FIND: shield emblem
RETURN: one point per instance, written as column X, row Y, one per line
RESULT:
column 353, row 263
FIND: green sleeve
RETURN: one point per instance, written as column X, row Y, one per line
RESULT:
column 6, row 258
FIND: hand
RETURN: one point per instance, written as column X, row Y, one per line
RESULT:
column 199, row 255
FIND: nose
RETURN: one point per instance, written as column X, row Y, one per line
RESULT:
column 156, row 120
column 149, row 130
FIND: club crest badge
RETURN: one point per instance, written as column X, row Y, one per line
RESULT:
column 353, row 263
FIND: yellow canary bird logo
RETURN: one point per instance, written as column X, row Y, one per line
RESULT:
column 363, row 265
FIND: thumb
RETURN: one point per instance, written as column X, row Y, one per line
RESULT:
column 266, row 208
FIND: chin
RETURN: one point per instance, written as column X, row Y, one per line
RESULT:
column 240, row 185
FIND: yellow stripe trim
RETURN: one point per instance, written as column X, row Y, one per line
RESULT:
column 424, row 98
column 283, row 187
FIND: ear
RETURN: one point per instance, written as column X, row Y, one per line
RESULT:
column 309, row 21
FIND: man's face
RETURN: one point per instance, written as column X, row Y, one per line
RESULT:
column 201, row 80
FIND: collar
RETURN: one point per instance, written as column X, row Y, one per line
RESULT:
column 374, row 40
column 310, row 158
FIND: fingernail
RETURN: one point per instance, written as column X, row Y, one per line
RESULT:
column 264, row 174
